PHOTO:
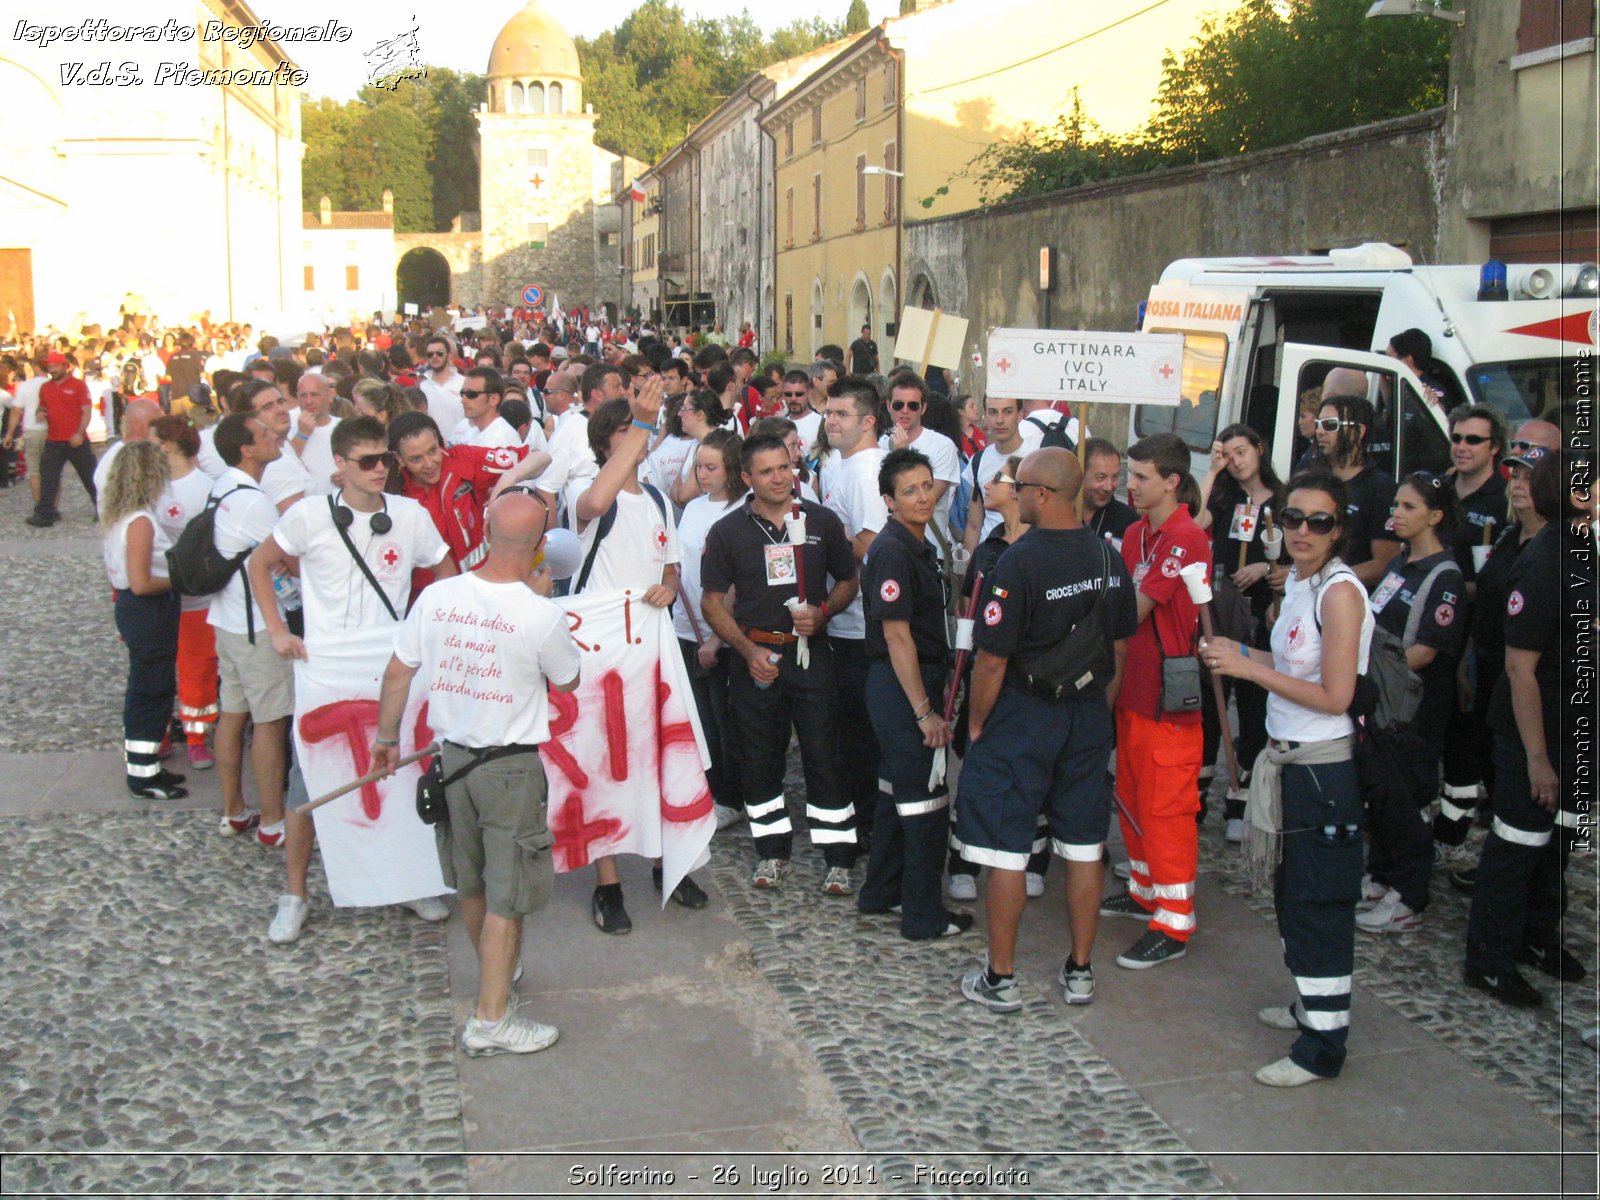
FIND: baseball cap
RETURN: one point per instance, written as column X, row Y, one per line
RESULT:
column 557, row 352
column 55, row 358
column 1528, row 458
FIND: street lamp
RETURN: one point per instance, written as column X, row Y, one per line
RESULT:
column 1415, row 8
column 866, row 170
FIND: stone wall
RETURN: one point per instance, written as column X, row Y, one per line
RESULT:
column 1377, row 183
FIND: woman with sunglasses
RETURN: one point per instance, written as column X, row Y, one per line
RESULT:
column 1421, row 600
column 1238, row 495
column 1000, row 495
column 1342, row 427
column 1306, row 807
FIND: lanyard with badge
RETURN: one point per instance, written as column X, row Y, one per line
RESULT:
column 1392, row 583
column 779, row 558
column 1147, row 555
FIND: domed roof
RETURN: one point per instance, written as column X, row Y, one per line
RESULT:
column 533, row 44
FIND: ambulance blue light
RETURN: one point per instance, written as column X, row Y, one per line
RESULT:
column 1492, row 281
column 1139, row 322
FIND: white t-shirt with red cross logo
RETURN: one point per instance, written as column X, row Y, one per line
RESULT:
column 636, row 550
column 335, row 592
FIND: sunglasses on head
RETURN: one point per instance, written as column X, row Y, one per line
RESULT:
column 1471, row 439
column 371, row 462
column 1332, row 424
column 903, row 405
column 1319, row 523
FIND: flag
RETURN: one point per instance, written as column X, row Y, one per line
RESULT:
column 636, row 193
column 375, row 849
column 626, row 759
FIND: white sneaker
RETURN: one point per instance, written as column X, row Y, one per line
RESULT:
column 1033, row 883
column 1389, row 915
column 511, row 1034
column 1286, row 1073
column 1371, row 892
column 288, row 920
column 430, row 908
column 1233, row 830
column 726, row 816
column 963, row 887
column 1278, row 1016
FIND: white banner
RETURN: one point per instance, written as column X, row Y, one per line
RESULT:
column 375, row 849
column 1106, row 368
column 626, row 757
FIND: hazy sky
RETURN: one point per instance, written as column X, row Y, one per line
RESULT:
column 459, row 36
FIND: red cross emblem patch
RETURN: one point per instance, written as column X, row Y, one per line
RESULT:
column 890, row 591
column 1514, row 604
column 992, row 613
column 174, row 511
column 1444, row 614
column 661, row 538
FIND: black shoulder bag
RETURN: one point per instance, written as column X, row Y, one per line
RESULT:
column 1086, row 656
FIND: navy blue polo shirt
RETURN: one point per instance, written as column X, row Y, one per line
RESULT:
column 901, row 581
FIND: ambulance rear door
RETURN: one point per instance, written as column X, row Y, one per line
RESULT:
column 1408, row 435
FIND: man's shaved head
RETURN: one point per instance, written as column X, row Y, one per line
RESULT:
column 1540, row 433
column 516, row 524
column 1344, row 381
column 1055, row 467
column 137, row 418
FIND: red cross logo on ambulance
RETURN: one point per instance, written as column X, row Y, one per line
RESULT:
column 890, row 591
column 389, row 557
column 992, row 612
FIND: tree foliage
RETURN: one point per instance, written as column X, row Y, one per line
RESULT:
column 1269, row 73
column 857, row 18
column 659, row 73
column 415, row 138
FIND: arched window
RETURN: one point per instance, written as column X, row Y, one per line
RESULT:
column 556, row 99
column 536, row 97
column 517, row 99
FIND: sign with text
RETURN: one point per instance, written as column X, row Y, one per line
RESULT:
column 1203, row 310
column 1106, row 368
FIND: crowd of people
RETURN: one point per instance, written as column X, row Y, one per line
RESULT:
column 890, row 573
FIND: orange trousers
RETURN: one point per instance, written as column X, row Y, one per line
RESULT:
column 1158, row 772
column 197, row 676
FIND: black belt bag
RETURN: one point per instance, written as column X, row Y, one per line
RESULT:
column 431, row 784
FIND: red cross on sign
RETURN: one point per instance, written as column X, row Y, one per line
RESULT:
column 1165, row 370
column 391, row 556
column 1247, row 527
column 1003, row 364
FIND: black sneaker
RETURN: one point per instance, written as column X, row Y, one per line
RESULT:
column 956, row 923
column 1464, row 880
column 606, row 907
column 688, row 893
column 1555, row 961
column 39, row 522
column 1506, row 986
column 167, row 785
column 1153, row 949
column 1124, row 905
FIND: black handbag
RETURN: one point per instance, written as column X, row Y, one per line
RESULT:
column 431, row 784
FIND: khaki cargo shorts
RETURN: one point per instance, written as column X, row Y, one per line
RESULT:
column 497, row 842
column 254, row 679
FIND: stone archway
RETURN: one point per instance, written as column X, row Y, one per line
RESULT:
column 422, row 277
column 922, row 294
column 860, row 308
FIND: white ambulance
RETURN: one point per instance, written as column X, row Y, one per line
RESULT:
column 1259, row 332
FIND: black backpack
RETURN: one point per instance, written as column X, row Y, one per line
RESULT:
column 1055, row 433
column 195, row 566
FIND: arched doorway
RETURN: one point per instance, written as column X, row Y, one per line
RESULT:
column 816, row 316
column 888, row 316
column 423, row 278
column 922, row 293
column 860, row 308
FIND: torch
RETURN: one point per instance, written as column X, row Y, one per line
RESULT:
column 963, row 646
column 794, row 524
column 1271, row 547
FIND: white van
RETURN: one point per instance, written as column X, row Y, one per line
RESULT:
column 1260, row 331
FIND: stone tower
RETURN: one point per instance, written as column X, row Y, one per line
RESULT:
column 541, row 175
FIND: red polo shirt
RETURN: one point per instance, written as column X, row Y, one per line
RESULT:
column 63, row 403
column 1154, row 558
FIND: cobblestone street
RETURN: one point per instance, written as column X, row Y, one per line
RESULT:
column 152, row 1040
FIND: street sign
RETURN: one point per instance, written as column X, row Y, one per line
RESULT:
column 533, row 295
column 1061, row 364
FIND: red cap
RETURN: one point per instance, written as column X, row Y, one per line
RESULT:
column 54, row 358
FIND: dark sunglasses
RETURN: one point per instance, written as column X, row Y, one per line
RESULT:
column 799, row 393
column 1519, row 446
column 437, row 353
column 903, row 405
column 1471, row 439
column 1004, row 479
column 1022, row 483
column 371, row 462
column 1319, row 523
column 470, row 395
column 1332, row 424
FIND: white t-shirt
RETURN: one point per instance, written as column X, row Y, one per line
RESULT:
column 316, row 454
column 208, row 458
column 809, row 426
column 336, row 593
column 946, row 461
column 669, row 463
column 536, row 439
column 243, row 522
column 114, row 548
column 444, row 400
column 26, row 397
column 487, row 650
column 284, row 477
column 180, row 504
column 100, row 393
column 102, row 469
column 1033, row 436
column 571, row 459
column 850, row 489
column 636, row 552
column 699, row 515
column 497, row 433
column 1297, row 652
column 984, row 468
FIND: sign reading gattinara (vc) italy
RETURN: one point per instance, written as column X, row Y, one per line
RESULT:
column 1067, row 364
